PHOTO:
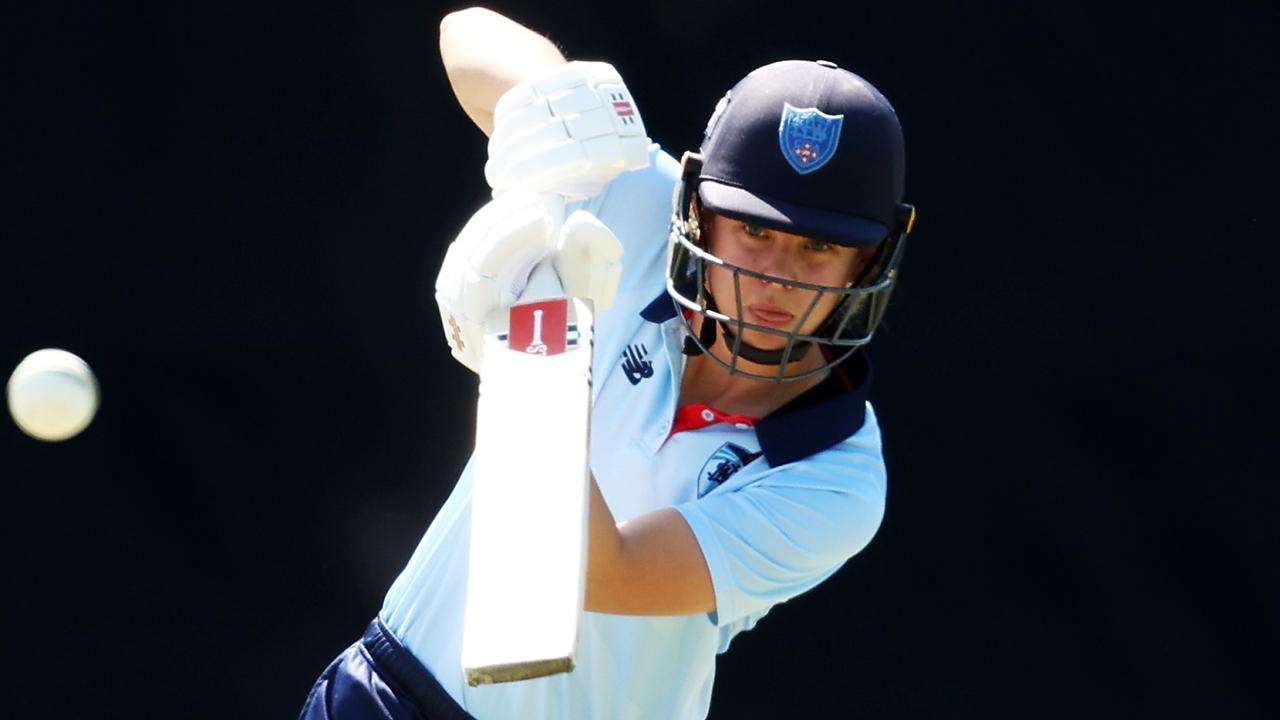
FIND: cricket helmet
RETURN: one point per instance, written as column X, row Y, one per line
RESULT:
column 807, row 148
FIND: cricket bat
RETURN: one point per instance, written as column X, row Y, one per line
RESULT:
column 529, row 504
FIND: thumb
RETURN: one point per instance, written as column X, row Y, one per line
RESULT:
column 588, row 259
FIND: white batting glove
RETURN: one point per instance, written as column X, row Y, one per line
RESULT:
column 589, row 260
column 487, row 265
column 567, row 132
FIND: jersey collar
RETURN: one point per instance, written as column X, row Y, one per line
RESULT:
column 820, row 418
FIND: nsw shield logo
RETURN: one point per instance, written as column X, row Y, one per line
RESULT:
column 723, row 463
column 808, row 137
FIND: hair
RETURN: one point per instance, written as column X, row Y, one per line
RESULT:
column 694, row 220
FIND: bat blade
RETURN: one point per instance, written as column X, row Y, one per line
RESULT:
column 529, row 502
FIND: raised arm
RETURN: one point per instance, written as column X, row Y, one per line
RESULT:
column 485, row 54
column 590, row 132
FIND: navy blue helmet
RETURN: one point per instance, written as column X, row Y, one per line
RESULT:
column 806, row 148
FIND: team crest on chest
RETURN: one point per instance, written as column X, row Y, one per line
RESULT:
column 723, row 463
column 808, row 137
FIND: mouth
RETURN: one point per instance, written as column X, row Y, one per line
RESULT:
column 770, row 315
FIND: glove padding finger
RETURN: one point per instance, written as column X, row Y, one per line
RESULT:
column 589, row 260
column 571, row 168
column 568, row 132
column 513, row 233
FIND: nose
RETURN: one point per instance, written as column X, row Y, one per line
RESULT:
column 777, row 261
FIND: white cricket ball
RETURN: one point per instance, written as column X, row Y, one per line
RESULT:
column 52, row 394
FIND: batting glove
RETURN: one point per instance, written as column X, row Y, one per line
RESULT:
column 487, row 266
column 567, row 132
column 589, row 260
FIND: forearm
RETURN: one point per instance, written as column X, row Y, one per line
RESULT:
column 485, row 54
column 604, row 548
column 651, row 565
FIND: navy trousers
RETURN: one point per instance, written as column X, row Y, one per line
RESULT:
column 378, row 679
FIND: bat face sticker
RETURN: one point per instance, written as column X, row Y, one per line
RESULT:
column 539, row 328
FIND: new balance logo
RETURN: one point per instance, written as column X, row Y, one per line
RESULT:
column 635, row 365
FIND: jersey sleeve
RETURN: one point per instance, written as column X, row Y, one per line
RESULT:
column 772, row 539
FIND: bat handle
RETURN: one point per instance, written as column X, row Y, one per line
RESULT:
column 544, row 283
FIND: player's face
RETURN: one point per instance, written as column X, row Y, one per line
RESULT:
column 782, row 255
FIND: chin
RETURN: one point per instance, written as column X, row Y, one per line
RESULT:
column 763, row 341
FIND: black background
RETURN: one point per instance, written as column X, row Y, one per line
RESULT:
column 234, row 211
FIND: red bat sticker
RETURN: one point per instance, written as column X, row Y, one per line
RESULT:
column 539, row 328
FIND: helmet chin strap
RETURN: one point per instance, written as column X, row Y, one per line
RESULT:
column 707, row 338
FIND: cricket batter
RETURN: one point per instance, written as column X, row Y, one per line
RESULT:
column 736, row 460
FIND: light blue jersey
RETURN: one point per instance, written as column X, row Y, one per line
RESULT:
column 777, row 505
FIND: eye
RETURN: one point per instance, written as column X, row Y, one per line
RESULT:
column 817, row 245
column 754, row 231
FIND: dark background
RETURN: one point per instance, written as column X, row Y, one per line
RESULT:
column 234, row 211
